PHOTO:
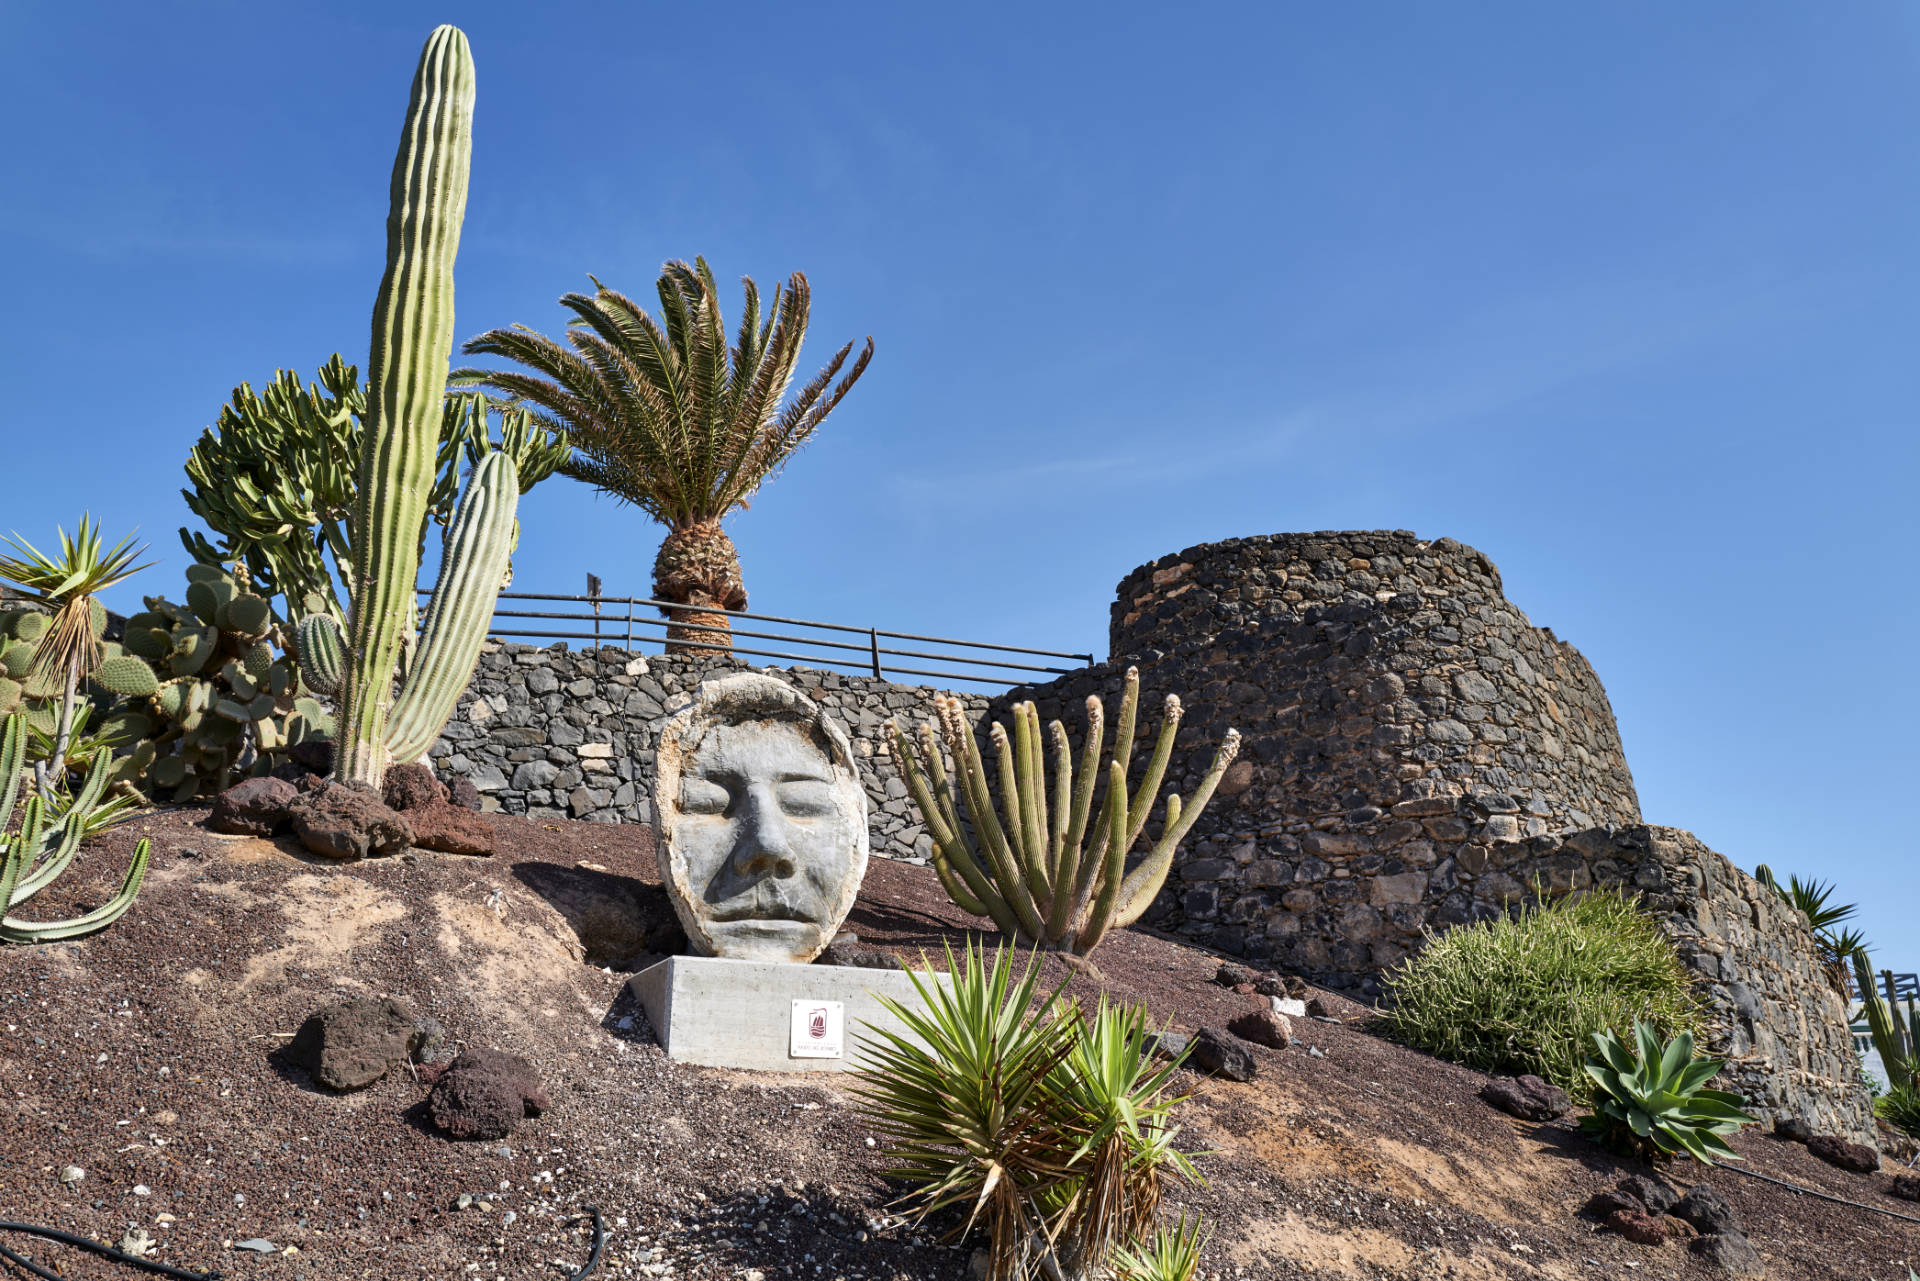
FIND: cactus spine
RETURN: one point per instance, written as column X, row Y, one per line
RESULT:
column 412, row 341
column 1054, row 871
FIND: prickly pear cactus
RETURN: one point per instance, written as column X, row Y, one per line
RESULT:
column 223, row 699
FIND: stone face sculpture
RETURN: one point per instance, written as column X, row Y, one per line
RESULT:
column 759, row 820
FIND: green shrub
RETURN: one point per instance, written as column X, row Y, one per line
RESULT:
column 1900, row 1106
column 1525, row 993
column 1651, row 1100
column 1171, row 1254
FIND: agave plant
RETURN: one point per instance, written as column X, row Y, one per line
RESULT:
column 48, row 837
column 1048, row 1128
column 66, row 583
column 1651, row 1100
column 1170, row 1254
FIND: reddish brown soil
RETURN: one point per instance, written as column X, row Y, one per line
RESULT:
column 149, row 1056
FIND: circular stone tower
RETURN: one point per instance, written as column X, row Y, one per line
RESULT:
column 1404, row 724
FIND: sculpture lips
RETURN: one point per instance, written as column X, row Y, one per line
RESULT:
column 764, row 901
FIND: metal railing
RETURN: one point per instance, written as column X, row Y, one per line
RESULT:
column 624, row 620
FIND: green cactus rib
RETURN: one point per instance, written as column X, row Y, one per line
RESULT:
column 1896, row 1039
column 412, row 340
column 473, row 563
column 322, row 654
column 1050, row 865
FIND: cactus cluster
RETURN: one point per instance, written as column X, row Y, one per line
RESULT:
column 1051, row 869
column 219, row 698
column 35, row 695
column 412, row 340
column 276, row 479
column 44, row 845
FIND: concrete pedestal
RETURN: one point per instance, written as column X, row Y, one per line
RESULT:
column 767, row 1016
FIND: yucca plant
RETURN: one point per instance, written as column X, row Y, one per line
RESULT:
column 666, row 415
column 1054, row 870
column 1006, row 1105
column 1119, row 1095
column 67, row 583
column 1812, row 898
column 1171, row 1254
column 48, row 837
column 1651, row 1100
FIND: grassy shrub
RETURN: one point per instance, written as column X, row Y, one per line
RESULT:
column 1526, row 993
column 1901, row 1107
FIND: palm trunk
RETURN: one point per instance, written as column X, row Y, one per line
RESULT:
column 699, row 568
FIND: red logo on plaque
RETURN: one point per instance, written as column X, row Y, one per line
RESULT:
column 817, row 1025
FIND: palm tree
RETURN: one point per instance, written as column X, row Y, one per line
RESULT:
column 666, row 416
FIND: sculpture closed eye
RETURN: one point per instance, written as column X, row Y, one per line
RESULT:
column 760, row 819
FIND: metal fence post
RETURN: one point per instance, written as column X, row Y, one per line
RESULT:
column 873, row 638
column 593, row 591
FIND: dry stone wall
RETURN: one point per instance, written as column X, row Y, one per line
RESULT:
column 1772, row 1014
column 1401, row 718
column 571, row 733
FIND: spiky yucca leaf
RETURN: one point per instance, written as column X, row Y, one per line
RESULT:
column 1170, row 1254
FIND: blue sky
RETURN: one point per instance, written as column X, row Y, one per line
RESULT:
column 1626, row 296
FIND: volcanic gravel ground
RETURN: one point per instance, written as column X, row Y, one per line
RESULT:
column 149, row 1056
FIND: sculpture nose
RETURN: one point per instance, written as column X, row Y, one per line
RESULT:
column 762, row 848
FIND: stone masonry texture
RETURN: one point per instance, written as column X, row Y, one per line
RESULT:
column 571, row 734
column 1417, row 755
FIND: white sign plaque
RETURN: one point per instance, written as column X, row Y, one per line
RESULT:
column 819, row 1030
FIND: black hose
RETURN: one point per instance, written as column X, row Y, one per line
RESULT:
column 599, row 1244
column 1824, row 1196
column 106, row 1251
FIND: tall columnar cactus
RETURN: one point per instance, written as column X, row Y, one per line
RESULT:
column 35, row 854
column 1895, row 1036
column 1051, row 870
column 412, row 340
column 473, row 562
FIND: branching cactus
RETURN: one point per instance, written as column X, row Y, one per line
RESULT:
column 1050, row 867
column 32, row 856
column 412, row 340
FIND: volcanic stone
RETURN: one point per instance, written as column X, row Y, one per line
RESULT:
column 1834, row 1150
column 462, row 793
column 1706, row 1210
column 350, row 1044
column 1731, row 1252
column 412, row 786
column 1638, row 1225
column 1906, row 1187
column 483, row 1094
column 450, row 830
column 1263, row 1027
column 1218, row 1052
column 1527, row 1097
column 847, row 949
column 1793, row 1129
column 257, row 807
column 345, row 822
column 1605, row 1204
column 1652, row 1193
